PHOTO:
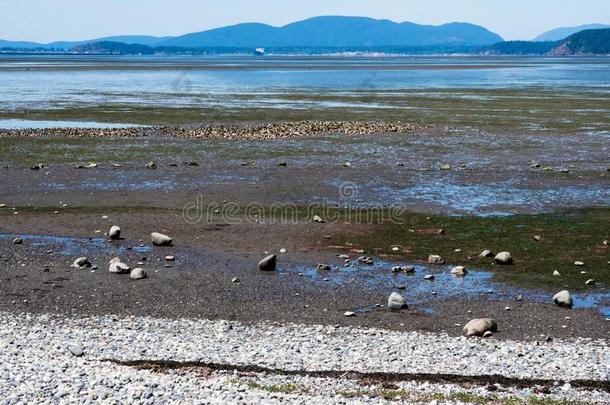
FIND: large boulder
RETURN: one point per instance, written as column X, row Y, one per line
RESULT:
column 268, row 263
column 117, row 266
column 396, row 302
column 504, row 258
column 563, row 299
column 478, row 327
column 159, row 239
column 114, row 233
column 435, row 259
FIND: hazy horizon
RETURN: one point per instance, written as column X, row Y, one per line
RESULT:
column 71, row 20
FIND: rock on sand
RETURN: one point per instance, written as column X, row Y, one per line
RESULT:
column 459, row 271
column 117, row 266
column 268, row 263
column 396, row 302
column 81, row 262
column 478, row 327
column 504, row 258
column 159, row 239
column 138, row 274
column 115, row 233
column 435, row 259
column 563, row 299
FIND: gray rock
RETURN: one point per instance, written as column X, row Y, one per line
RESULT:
column 81, row 262
column 486, row 253
column 435, row 259
column 138, row 274
column 117, row 266
column 268, row 263
column 478, row 327
column 77, row 351
column 403, row 269
column 349, row 314
column 159, row 239
column 17, row 241
column 563, row 299
column 504, row 258
column 590, row 282
column 151, row 165
column 317, row 218
column 429, row 277
column 114, row 233
column 579, row 264
column 396, row 302
column 459, row 271
column 323, row 267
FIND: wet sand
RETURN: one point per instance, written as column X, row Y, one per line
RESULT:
column 37, row 277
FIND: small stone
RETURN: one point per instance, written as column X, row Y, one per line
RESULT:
column 504, row 258
column 318, row 219
column 478, row 327
column 151, row 165
column 487, row 334
column 170, row 258
column 117, row 266
column 349, row 314
column 396, row 302
column 486, row 253
column 446, row 167
column 77, row 351
column 519, row 297
column 323, row 267
column 268, row 263
column 579, row 264
column 429, row 277
column 159, row 239
column 17, row 241
column 507, row 308
column 81, row 262
column 403, row 269
column 563, row 299
column 459, row 271
column 138, row 274
column 537, row 238
column 556, row 273
column 114, row 233
column 436, row 259
column 235, row 280
column 366, row 260
column 590, row 282
column 283, row 250
column 395, row 249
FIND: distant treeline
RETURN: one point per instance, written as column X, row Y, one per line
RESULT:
column 588, row 42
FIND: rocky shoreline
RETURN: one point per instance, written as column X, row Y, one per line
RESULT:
column 226, row 131
column 67, row 358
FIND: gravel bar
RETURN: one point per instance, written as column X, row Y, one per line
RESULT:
column 227, row 131
column 62, row 359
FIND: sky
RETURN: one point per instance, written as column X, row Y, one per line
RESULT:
column 52, row 20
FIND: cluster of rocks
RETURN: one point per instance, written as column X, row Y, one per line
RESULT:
column 259, row 131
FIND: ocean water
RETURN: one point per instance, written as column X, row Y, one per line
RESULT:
column 32, row 83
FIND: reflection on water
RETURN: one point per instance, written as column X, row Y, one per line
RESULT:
column 476, row 285
column 75, row 246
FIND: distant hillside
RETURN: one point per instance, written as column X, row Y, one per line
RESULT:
column 520, row 48
column 66, row 45
column 113, row 48
column 562, row 33
column 337, row 32
column 588, row 42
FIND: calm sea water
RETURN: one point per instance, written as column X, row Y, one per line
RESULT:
column 31, row 83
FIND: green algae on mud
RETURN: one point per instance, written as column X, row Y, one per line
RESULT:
column 566, row 237
column 536, row 109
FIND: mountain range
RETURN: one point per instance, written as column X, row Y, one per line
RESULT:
column 561, row 33
column 331, row 31
column 333, row 34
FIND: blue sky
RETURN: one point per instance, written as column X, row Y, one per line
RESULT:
column 50, row 20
